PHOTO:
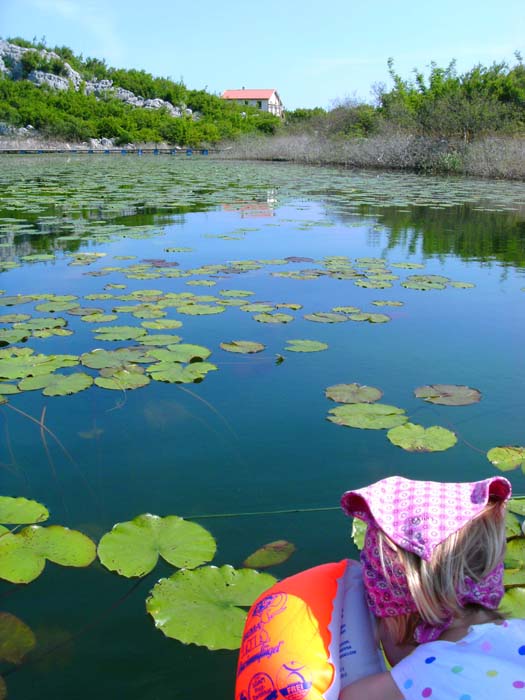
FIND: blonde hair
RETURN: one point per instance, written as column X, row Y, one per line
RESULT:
column 473, row 551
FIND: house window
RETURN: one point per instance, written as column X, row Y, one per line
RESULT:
column 245, row 102
column 259, row 104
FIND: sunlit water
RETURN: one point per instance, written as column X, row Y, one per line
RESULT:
column 253, row 436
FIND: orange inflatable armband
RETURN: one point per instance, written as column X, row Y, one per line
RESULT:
column 299, row 642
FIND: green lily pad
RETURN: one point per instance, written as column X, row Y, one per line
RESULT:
column 99, row 318
column 258, row 308
column 513, row 603
column 23, row 555
column 448, row 394
column 117, row 359
column 372, row 284
column 346, row 309
column 380, row 302
column 517, row 505
column 235, row 293
column 52, row 306
column 353, row 393
column 462, row 285
column 371, row 318
column 132, row 548
column 273, row 318
column 416, row 438
column 305, row 346
column 122, row 380
column 270, row 554
column 515, row 562
column 206, row 606
column 507, row 458
column 8, row 389
column 243, row 346
column 85, row 311
column 372, row 416
column 8, row 337
column 326, row 317
column 16, row 639
column 174, row 372
column 358, row 532
column 23, row 363
column 512, row 526
column 13, row 318
column 39, row 324
column 119, row 333
column 159, row 339
column 162, row 324
column 184, row 352
column 21, row 511
column 199, row 309
column 57, row 384
column 288, row 305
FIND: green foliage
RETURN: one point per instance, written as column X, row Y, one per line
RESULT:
column 482, row 100
column 75, row 116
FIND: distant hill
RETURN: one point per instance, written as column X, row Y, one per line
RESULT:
column 64, row 96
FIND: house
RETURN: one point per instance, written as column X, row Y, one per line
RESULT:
column 265, row 100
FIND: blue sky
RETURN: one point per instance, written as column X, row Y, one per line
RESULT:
column 313, row 52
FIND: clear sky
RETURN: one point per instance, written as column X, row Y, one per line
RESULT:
column 312, row 52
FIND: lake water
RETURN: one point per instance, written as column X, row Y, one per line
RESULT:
column 252, row 437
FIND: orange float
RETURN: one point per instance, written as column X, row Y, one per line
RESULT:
column 307, row 637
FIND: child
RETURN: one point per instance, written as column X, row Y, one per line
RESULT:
column 433, row 574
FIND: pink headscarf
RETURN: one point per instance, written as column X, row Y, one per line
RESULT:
column 417, row 516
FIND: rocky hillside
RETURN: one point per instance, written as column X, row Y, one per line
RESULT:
column 63, row 96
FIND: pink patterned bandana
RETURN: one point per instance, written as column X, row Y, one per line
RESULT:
column 417, row 516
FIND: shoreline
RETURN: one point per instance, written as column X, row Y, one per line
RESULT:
column 490, row 157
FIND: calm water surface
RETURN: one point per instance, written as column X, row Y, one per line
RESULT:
column 253, row 436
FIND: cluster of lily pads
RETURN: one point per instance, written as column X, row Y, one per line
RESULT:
column 198, row 603
column 360, row 410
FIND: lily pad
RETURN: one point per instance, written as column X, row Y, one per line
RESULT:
column 353, row 393
column 244, row 347
column 117, row 359
column 346, row 309
column 258, row 308
column 119, row 333
column 235, row 293
column 23, row 555
column 273, row 318
column 372, row 416
column 507, row 458
column 16, row 639
column 99, row 318
column 132, row 548
column 380, row 302
column 371, row 318
column 184, row 352
column 57, row 384
column 174, row 372
column 416, row 438
column 462, row 285
column 270, row 554
column 122, row 380
column 200, row 309
column 305, row 346
column 515, row 562
column 21, row 511
column 162, row 324
column 448, row 394
column 206, row 606
column 326, row 317
column 513, row 602
column 22, row 362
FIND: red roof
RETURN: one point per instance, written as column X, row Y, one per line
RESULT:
column 247, row 94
